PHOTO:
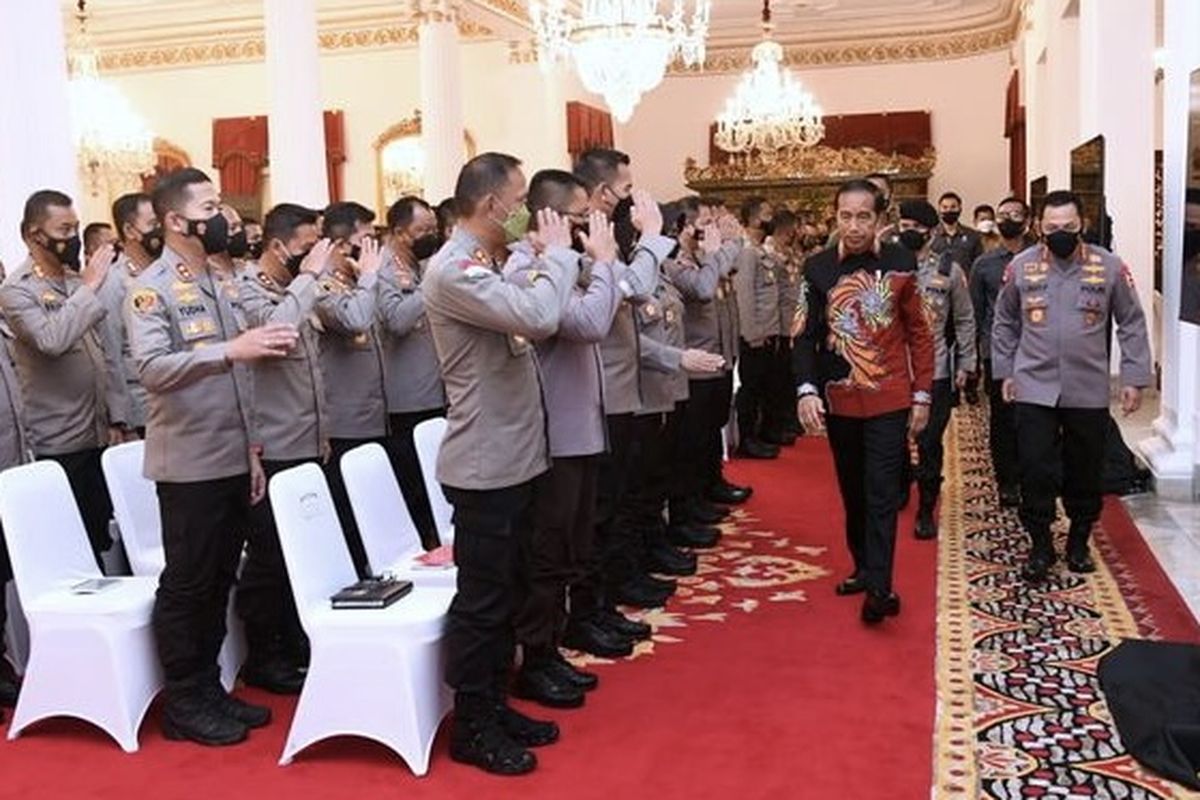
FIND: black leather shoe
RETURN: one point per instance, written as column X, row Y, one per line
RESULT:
column 640, row 594
column 541, row 684
column 849, row 586
column 565, row 672
column 727, row 495
column 1010, row 496
column 195, row 717
column 926, row 527
column 526, row 731
column 612, row 620
column 276, row 676
column 749, row 490
column 667, row 560
column 490, row 748
column 693, row 536
column 657, row 584
column 590, row 637
column 1037, row 567
column 706, row 513
column 779, row 439
column 250, row 715
column 878, row 606
column 1080, row 562
column 751, row 448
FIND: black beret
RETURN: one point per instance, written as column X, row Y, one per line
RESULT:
column 921, row 211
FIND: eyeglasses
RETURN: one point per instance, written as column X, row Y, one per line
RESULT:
column 1049, row 229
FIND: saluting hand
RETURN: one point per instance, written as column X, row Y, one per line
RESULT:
column 600, row 241
column 317, row 259
column 274, row 340
column 369, row 258
column 711, row 242
column 731, row 229
column 647, row 216
column 694, row 360
column 554, row 230
column 96, row 270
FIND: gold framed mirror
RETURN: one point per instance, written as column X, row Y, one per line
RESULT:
column 400, row 162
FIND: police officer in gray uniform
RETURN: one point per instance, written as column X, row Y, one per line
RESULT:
column 68, row 378
column 14, row 450
column 191, row 342
column 754, row 281
column 1050, row 347
column 559, row 544
column 351, row 356
column 141, row 237
column 495, row 443
column 414, row 379
column 292, row 426
column 782, row 248
column 947, row 304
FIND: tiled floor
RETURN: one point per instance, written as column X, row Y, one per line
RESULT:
column 1172, row 529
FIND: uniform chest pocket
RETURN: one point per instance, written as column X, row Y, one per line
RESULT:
column 1092, row 306
column 1034, row 307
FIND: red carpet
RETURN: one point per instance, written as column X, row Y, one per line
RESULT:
column 770, row 688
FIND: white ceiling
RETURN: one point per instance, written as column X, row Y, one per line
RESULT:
column 124, row 23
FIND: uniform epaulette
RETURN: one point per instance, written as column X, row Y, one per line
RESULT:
column 184, row 272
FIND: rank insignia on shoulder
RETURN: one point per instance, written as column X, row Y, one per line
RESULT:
column 144, row 301
column 185, row 272
column 267, row 281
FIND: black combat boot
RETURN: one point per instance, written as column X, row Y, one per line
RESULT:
column 192, row 713
column 478, row 738
column 1079, row 560
column 926, row 527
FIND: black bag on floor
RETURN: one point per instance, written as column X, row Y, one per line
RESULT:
column 1153, row 692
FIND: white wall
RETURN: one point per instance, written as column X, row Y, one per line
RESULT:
column 965, row 96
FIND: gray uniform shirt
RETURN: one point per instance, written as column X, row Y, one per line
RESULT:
column 198, row 425
column 1051, row 331
column 619, row 350
column 757, row 294
column 352, row 356
column 661, row 343
column 413, row 376
column 482, row 328
column 63, row 368
column 946, row 297
column 289, row 393
column 125, row 389
column 572, row 374
column 703, row 284
column 788, row 281
column 14, row 444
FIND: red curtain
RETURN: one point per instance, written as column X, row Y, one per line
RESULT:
column 1014, row 130
column 240, row 153
column 587, row 127
column 905, row 132
column 335, row 152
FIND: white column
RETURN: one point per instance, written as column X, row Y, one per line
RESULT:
column 442, row 124
column 295, row 125
column 36, row 147
column 1174, row 450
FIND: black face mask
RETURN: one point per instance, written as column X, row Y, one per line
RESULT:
column 355, row 251
column 767, row 227
column 292, row 265
column 65, row 250
column 1062, row 243
column 152, row 241
column 912, row 239
column 425, row 246
column 623, row 228
column 254, row 250
column 951, row 217
column 1010, row 228
column 577, row 234
column 1191, row 243
column 238, row 246
column 213, row 232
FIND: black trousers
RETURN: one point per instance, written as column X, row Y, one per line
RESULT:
column 91, row 495
column 555, row 550
column 341, row 500
column 615, row 559
column 869, row 454
column 488, row 528
column 650, row 480
column 930, row 450
column 781, row 407
column 1078, row 433
column 264, row 597
column 408, row 473
column 1002, row 432
column 700, row 423
column 754, row 394
column 204, row 526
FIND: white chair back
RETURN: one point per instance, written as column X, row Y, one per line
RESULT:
column 46, row 539
column 428, row 437
column 135, row 506
column 387, row 530
column 314, row 547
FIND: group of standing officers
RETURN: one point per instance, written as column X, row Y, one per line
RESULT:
column 581, row 341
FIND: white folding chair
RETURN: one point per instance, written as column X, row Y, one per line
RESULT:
column 91, row 656
column 388, row 533
column 375, row 673
column 135, row 507
column 428, row 437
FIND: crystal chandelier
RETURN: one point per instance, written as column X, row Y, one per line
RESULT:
column 114, row 146
column 769, row 111
column 621, row 48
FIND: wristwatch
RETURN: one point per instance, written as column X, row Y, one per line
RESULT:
column 807, row 390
